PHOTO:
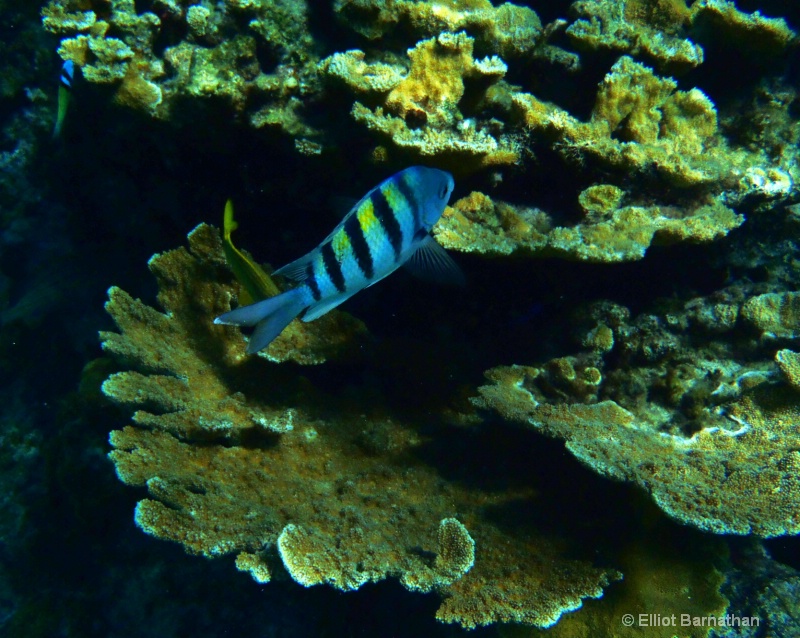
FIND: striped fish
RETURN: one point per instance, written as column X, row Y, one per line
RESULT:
column 64, row 89
column 387, row 229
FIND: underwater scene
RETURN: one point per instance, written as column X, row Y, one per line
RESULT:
column 568, row 407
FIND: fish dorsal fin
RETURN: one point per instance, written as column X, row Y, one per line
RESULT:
column 325, row 305
column 430, row 261
column 296, row 270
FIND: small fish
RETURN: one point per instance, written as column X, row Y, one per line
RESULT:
column 64, row 91
column 388, row 228
column 256, row 284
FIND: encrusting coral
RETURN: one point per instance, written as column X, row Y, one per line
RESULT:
column 116, row 45
column 664, row 402
column 242, row 458
column 659, row 30
column 610, row 233
column 420, row 111
column 640, row 121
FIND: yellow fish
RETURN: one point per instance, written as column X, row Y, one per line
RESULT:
column 256, row 284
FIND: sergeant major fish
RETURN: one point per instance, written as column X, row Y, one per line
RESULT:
column 64, row 90
column 388, row 228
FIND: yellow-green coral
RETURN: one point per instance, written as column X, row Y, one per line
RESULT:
column 508, row 29
column 259, row 464
column 658, row 29
column 641, row 122
column 57, row 18
column 674, row 407
column 204, row 65
column 789, row 364
column 363, row 77
column 100, row 59
column 776, row 315
column 610, row 232
column 421, row 114
column 750, row 31
column 435, row 82
column 741, row 478
column 647, row 28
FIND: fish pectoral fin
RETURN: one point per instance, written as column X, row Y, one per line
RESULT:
column 296, row 270
column 430, row 261
column 325, row 305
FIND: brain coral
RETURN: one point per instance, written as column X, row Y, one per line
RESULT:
column 241, row 456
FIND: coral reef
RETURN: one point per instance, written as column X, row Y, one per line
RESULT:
column 658, row 30
column 610, row 233
column 640, row 121
column 232, row 469
column 663, row 572
column 116, row 45
column 675, row 404
column 596, row 138
column 508, row 30
column 441, row 101
column 420, row 114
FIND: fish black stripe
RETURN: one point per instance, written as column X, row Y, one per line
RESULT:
column 311, row 282
column 408, row 192
column 67, row 73
column 332, row 266
column 385, row 215
column 354, row 232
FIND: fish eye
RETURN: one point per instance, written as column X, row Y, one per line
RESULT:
column 443, row 191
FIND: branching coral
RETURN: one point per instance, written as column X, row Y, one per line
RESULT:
column 239, row 458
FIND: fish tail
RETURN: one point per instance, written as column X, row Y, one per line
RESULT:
column 269, row 316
